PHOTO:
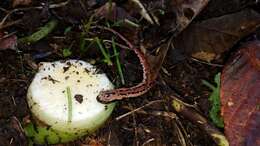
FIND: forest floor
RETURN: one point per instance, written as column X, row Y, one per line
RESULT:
column 181, row 73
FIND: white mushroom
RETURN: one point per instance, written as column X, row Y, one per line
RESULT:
column 62, row 96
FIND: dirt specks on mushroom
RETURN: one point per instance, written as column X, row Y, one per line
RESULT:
column 79, row 98
column 67, row 77
column 52, row 80
column 65, row 68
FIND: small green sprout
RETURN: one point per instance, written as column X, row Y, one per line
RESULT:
column 214, row 98
column 118, row 64
column 67, row 30
column 66, row 52
column 104, row 52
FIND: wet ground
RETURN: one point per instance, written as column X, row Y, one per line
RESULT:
column 180, row 73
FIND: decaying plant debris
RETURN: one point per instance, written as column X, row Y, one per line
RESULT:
column 184, row 42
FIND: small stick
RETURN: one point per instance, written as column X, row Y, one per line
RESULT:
column 196, row 118
column 137, row 109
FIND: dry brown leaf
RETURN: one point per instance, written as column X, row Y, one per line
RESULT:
column 240, row 96
column 112, row 12
column 21, row 2
column 207, row 56
column 8, row 42
column 217, row 35
column 185, row 11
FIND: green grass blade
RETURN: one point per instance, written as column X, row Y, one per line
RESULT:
column 88, row 24
column 206, row 83
column 103, row 51
column 118, row 64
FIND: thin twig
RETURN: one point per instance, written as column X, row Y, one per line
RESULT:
column 182, row 133
column 115, row 33
column 109, row 137
column 13, row 100
column 4, row 10
column 155, row 113
column 109, row 41
column 8, row 24
column 137, row 109
column 7, row 35
column 207, row 63
column 136, row 141
column 195, row 117
column 143, row 11
column 164, row 114
column 11, row 141
column 148, row 141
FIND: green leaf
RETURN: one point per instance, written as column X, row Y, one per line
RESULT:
column 67, row 30
column 43, row 32
column 214, row 99
column 66, row 52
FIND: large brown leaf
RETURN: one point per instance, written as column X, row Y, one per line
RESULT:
column 240, row 96
column 206, row 40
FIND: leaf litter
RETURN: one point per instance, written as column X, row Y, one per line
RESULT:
column 144, row 124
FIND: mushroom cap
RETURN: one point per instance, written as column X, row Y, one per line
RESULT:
column 48, row 96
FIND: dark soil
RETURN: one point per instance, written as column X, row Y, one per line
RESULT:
column 180, row 74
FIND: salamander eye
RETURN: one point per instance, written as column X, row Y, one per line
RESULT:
column 103, row 97
column 106, row 95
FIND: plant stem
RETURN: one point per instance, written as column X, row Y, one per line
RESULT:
column 69, row 104
column 103, row 51
column 118, row 64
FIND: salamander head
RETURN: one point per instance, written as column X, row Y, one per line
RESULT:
column 106, row 96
